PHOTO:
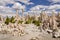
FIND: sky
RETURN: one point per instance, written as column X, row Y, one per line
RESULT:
column 9, row 6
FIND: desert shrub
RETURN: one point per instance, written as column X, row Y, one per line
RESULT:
column 12, row 20
column 7, row 20
column 0, row 19
column 37, row 23
column 28, row 22
column 20, row 22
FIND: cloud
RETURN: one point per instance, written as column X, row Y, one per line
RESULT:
column 35, row 9
column 46, row 8
column 4, row 2
column 54, row 1
column 8, row 10
column 25, row 1
column 29, row 3
column 2, row 14
column 39, row 7
column 18, row 6
column 4, row 9
column 54, row 7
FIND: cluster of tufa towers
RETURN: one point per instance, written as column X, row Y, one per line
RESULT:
column 49, row 21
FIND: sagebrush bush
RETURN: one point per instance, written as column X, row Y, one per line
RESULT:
column 20, row 22
column 28, row 22
column 7, row 20
column 12, row 20
column 36, row 22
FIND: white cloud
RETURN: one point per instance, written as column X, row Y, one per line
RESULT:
column 25, row 1
column 54, row 1
column 4, row 9
column 46, row 8
column 4, row 2
column 18, row 6
column 54, row 7
column 39, row 7
column 29, row 3
column 7, row 10
column 2, row 14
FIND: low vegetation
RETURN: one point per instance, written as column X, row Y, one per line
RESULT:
column 12, row 20
column 20, row 22
column 7, row 20
column 29, row 21
column 37, row 23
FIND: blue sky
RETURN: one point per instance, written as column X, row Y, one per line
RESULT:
column 29, row 5
column 38, row 2
column 35, row 2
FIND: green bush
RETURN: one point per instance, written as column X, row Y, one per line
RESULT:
column 0, row 19
column 28, row 22
column 12, row 20
column 7, row 20
column 30, row 19
column 36, row 22
column 20, row 22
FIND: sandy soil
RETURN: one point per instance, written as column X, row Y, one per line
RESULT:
column 31, row 33
column 26, row 37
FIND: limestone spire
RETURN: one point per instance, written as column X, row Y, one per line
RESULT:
column 59, row 14
column 54, row 23
column 17, row 12
column 22, row 12
column 17, row 15
column 43, row 16
column 27, row 16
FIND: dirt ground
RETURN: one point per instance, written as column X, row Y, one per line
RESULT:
column 25, row 37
